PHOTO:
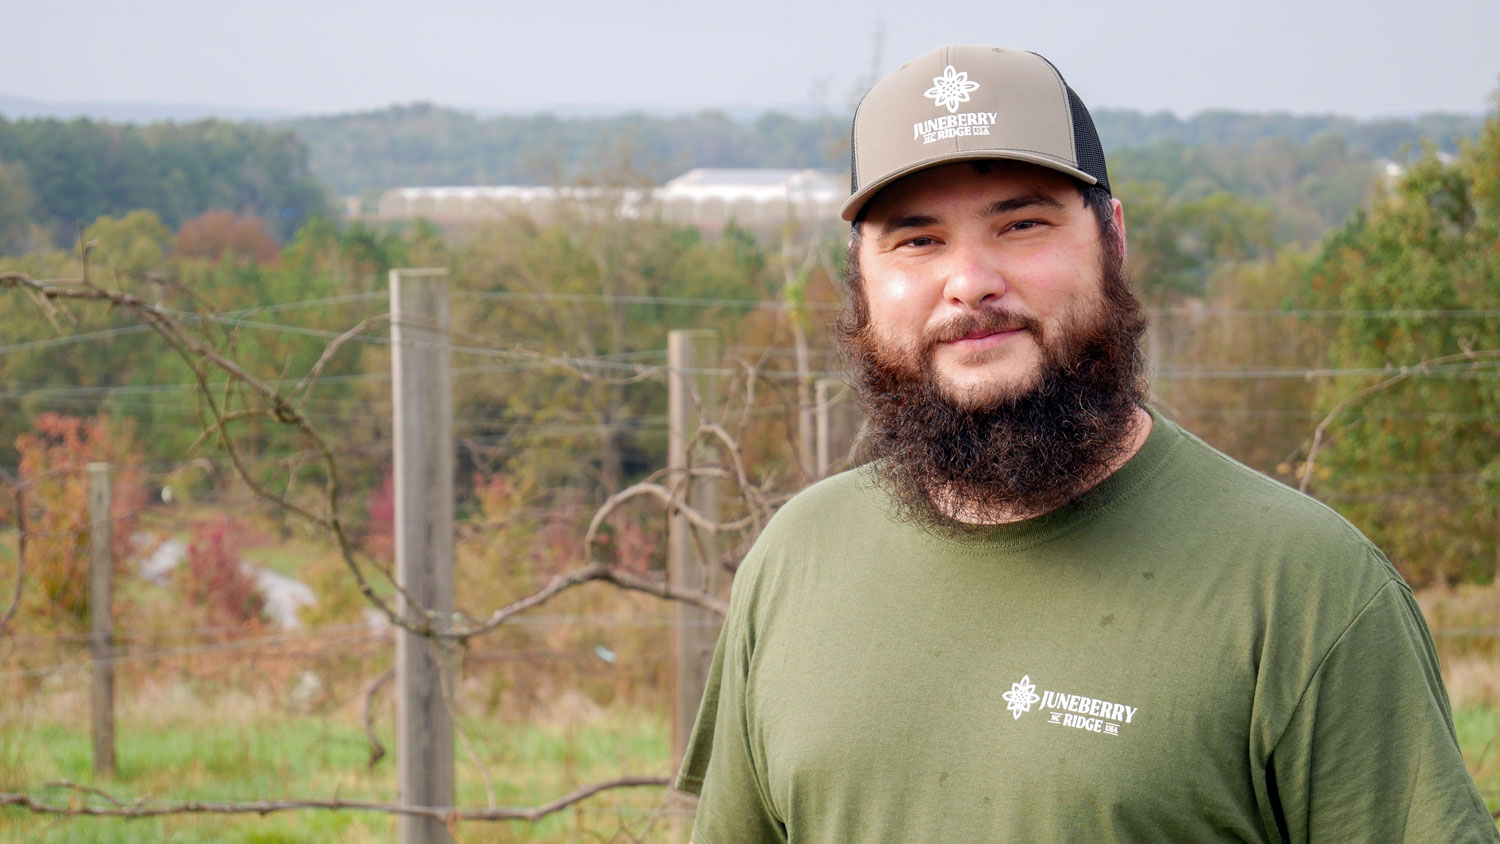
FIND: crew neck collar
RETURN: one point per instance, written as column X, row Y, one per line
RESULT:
column 1014, row 536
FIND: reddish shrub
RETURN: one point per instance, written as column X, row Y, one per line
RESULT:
column 54, row 459
column 213, row 233
column 559, row 541
column 214, row 577
column 629, row 544
column 380, row 518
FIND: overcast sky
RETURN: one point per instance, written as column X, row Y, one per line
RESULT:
column 1356, row 57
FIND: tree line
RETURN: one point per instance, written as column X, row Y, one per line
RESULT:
column 425, row 144
column 57, row 174
column 1269, row 316
column 1363, row 369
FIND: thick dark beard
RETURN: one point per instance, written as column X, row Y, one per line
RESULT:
column 1017, row 455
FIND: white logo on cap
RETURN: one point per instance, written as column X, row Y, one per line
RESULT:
column 950, row 89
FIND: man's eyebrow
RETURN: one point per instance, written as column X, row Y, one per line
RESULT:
column 1002, row 206
column 1016, row 203
column 910, row 221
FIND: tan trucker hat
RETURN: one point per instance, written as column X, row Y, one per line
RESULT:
column 964, row 102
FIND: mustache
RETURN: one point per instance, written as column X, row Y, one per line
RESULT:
column 979, row 323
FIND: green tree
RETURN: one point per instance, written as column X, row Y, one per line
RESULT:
column 79, row 170
column 1416, row 461
column 275, row 318
column 1205, row 347
column 16, row 206
column 600, row 292
column 1176, row 243
column 131, row 244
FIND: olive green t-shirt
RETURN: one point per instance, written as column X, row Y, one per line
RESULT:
column 1191, row 652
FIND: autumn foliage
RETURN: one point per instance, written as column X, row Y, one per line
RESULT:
column 213, row 234
column 380, row 524
column 54, row 458
column 215, row 578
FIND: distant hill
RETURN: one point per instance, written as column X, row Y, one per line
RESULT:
column 425, row 144
column 1313, row 169
column 1384, row 138
column 21, row 108
column 65, row 172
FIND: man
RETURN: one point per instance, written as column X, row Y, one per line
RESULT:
column 1044, row 612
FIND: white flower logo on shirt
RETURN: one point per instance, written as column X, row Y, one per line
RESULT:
column 1021, row 695
column 950, row 89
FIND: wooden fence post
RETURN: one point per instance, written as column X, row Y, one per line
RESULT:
column 692, row 561
column 838, row 417
column 101, row 622
column 422, row 400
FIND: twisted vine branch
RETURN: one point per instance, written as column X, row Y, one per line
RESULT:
column 202, row 358
column 146, row 807
column 1405, row 372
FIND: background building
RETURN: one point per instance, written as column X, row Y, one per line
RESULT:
column 706, row 198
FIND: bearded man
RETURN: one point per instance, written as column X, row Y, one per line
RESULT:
column 1042, row 611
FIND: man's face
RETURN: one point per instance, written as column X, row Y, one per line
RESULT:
column 978, row 272
column 995, row 342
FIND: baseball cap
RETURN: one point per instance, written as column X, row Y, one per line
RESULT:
column 965, row 102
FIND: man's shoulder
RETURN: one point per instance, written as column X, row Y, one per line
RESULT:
column 836, row 500
column 1220, row 480
column 1208, row 487
column 818, row 521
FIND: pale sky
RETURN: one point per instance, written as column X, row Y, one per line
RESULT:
column 1360, row 58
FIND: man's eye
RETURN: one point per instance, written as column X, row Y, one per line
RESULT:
column 919, row 241
column 1023, row 225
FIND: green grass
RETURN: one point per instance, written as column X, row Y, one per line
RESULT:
column 269, row 757
column 177, row 748
column 1479, row 736
column 288, row 558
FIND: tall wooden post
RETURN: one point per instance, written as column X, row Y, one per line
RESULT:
column 826, row 390
column 1154, row 352
column 692, row 561
column 101, row 622
column 807, row 459
column 838, row 417
column 422, row 399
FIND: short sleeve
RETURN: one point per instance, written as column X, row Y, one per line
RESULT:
column 700, row 744
column 718, row 765
column 1370, row 753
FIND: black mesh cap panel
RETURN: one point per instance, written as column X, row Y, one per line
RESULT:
column 1086, row 142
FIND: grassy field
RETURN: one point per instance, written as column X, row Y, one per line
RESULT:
column 1478, row 735
column 174, row 746
column 228, row 725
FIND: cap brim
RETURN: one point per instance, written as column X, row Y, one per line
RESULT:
column 854, row 203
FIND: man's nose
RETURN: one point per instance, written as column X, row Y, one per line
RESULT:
column 974, row 278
